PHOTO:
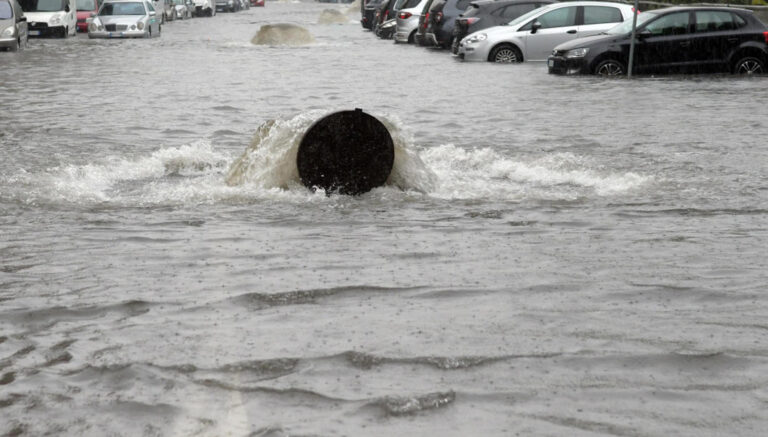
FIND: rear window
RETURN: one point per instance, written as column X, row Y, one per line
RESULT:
column 718, row 21
column 462, row 5
column 602, row 14
column 411, row 4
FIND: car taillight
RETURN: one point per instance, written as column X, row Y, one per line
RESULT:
column 438, row 17
column 471, row 20
column 404, row 15
column 426, row 21
column 386, row 14
column 765, row 34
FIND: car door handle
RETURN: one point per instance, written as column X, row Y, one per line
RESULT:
column 685, row 43
column 733, row 40
column 572, row 31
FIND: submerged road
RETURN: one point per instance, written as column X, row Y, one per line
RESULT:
column 551, row 255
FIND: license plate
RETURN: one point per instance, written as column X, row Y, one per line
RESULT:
column 550, row 62
column 34, row 33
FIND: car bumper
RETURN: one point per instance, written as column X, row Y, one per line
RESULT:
column 405, row 28
column 563, row 65
column 473, row 53
column 7, row 43
column 82, row 26
column 46, row 31
column 430, row 39
column 121, row 34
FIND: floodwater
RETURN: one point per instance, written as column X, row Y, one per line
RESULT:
column 552, row 255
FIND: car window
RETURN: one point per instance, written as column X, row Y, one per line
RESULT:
column 670, row 24
column 85, row 5
column 6, row 12
column 714, row 21
column 602, row 14
column 558, row 18
column 150, row 7
column 411, row 4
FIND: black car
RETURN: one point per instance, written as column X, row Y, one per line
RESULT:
column 369, row 12
column 484, row 14
column 383, row 13
column 671, row 40
column 442, row 19
column 421, row 31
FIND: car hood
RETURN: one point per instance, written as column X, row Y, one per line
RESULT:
column 590, row 41
column 41, row 17
column 121, row 19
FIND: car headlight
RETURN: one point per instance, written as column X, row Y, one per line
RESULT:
column 140, row 25
column 92, row 27
column 56, row 19
column 477, row 38
column 577, row 53
column 8, row 31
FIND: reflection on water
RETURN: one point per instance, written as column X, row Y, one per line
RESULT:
column 551, row 256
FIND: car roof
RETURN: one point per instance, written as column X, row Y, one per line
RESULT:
column 700, row 8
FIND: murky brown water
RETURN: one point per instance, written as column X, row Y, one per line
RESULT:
column 555, row 256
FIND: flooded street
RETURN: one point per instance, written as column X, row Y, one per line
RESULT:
column 551, row 256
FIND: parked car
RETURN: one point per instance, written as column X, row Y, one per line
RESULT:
column 442, row 20
column 369, row 13
column 228, row 5
column 678, row 39
column 182, row 9
column 421, row 29
column 382, row 14
column 13, row 26
column 387, row 29
column 84, row 10
column 408, row 20
column 50, row 17
column 484, row 14
column 531, row 37
column 164, row 8
column 205, row 8
column 125, row 19
column 259, row 3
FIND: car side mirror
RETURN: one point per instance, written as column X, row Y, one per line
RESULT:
column 22, row 19
column 645, row 33
column 152, row 13
column 535, row 26
column 66, row 8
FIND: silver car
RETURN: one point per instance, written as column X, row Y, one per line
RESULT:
column 531, row 37
column 125, row 19
column 182, row 9
column 408, row 20
column 13, row 26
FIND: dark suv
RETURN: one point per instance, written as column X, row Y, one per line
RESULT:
column 442, row 19
column 421, row 31
column 672, row 40
column 369, row 12
column 484, row 14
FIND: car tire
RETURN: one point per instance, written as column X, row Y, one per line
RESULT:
column 64, row 33
column 610, row 67
column 412, row 37
column 16, row 47
column 505, row 54
column 455, row 46
column 749, row 65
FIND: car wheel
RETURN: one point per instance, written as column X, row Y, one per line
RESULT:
column 455, row 46
column 411, row 37
column 749, row 65
column 610, row 67
column 16, row 47
column 506, row 54
column 64, row 32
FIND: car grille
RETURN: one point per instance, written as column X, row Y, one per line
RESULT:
column 38, row 26
column 116, row 27
column 81, row 20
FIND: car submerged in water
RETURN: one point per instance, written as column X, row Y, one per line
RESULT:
column 672, row 40
column 50, row 17
column 13, row 26
column 125, row 19
column 532, row 36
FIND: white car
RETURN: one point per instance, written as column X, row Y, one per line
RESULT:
column 408, row 20
column 125, row 19
column 205, row 8
column 50, row 17
column 531, row 37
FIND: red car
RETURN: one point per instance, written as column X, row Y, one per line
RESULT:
column 84, row 10
column 257, row 3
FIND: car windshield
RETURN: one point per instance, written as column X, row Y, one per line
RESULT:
column 132, row 8
column 626, row 26
column 6, row 12
column 86, row 5
column 43, row 5
column 525, row 17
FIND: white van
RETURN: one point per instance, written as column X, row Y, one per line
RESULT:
column 50, row 17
